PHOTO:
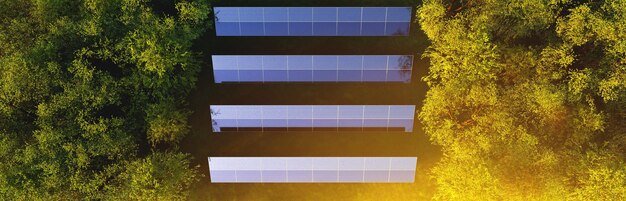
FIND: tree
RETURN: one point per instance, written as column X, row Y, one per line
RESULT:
column 86, row 91
column 525, row 98
column 166, row 123
column 160, row 176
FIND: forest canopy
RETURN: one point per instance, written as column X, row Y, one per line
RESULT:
column 527, row 98
column 92, row 98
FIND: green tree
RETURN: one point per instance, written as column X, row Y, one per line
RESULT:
column 166, row 122
column 86, row 90
column 159, row 176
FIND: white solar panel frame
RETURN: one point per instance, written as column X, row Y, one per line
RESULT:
column 233, row 169
column 313, row 21
column 239, row 113
column 262, row 67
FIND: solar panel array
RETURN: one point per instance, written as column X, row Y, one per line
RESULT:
column 312, row 118
column 312, row 21
column 312, row 68
column 312, row 169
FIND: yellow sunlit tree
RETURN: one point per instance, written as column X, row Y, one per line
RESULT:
column 527, row 98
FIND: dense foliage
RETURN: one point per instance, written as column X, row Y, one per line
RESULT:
column 91, row 98
column 527, row 98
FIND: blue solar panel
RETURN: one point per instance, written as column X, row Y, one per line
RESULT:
column 312, row 169
column 322, row 68
column 312, row 21
column 312, row 118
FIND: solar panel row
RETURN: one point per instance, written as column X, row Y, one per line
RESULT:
column 312, row 21
column 312, row 169
column 309, row 68
column 312, row 117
